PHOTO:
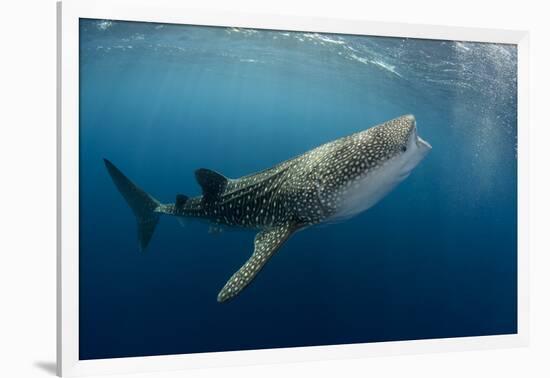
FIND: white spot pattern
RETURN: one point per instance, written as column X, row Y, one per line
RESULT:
column 266, row 243
column 302, row 191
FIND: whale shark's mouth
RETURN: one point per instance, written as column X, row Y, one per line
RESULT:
column 421, row 143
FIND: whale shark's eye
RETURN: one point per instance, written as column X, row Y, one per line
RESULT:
column 403, row 148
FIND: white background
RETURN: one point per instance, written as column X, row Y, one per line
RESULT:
column 27, row 200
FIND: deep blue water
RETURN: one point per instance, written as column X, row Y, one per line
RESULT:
column 436, row 258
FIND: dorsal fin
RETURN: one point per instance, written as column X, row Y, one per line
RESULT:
column 181, row 199
column 211, row 182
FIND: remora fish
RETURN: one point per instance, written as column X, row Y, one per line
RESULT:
column 332, row 182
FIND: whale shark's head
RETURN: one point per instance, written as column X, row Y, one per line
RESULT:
column 369, row 164
column 395, row 140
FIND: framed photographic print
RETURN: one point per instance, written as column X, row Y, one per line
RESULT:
column 249, row 188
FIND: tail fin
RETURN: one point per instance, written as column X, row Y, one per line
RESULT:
column 141, row 203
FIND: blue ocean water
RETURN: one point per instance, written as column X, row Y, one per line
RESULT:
column 434, row 259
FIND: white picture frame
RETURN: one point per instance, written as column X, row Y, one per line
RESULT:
column 170, row 11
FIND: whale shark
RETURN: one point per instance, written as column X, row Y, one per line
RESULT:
column 330, row 183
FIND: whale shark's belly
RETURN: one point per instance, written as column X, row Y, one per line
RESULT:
column 364, row 192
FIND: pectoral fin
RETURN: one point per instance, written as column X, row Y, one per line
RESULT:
column 266, row 243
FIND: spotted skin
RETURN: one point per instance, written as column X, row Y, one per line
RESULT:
column 331, row 182
column 266, row 243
